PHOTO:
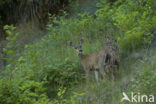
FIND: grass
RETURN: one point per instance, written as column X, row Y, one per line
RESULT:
column 110, row 92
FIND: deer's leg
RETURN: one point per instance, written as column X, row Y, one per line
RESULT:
column 103, row 73
column 115, row 72
column 87, row 76
column 96, row 76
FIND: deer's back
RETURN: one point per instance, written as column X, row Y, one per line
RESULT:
column 108, row 56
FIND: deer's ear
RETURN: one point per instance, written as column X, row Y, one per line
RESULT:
column 71, row 44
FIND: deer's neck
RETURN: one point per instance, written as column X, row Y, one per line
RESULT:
column 81, row 56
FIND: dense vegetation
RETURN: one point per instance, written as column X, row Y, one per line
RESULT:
column 49, row 72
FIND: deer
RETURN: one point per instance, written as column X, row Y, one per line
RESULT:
column 100, row 61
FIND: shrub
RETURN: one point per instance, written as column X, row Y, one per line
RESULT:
column 131, row 22
column 22, row 91
column 145, row 82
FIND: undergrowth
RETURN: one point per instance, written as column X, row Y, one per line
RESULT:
column 49, row 72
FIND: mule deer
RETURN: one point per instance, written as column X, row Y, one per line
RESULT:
column 101, row 61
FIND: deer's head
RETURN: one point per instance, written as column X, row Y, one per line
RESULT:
column 78, row 48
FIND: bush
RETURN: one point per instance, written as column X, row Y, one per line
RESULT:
column 145, row 82
column 22, row 91
column 63, row 75
column 131, row 22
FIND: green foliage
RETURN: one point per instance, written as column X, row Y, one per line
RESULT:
column 48, row 70
column 22, row 91
column 145, row 82
column 10, row 50
column 132, row 20
column 59, row 75
column 75, row 98
column 37, row 65
column 11, row 47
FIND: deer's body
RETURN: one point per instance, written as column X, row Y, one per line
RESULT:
column 95, row 62
column 92, row 61
column 104, row 61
